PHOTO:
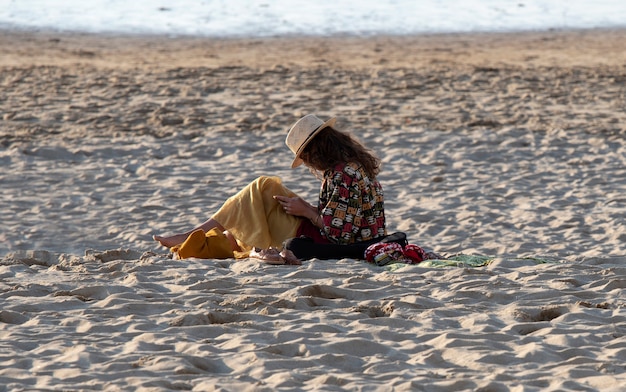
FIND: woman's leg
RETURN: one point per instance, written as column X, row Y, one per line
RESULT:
column 177, row 239
column 251, row 216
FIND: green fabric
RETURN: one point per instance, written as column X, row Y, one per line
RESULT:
column 459, row 261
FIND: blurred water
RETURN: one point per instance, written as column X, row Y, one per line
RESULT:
column 232, row 18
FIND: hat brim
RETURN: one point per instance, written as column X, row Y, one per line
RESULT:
column 297, row 161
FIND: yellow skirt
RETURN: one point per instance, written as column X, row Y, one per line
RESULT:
column 255, row 218
column 252, row 216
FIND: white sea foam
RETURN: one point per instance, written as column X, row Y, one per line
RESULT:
column 228, row 18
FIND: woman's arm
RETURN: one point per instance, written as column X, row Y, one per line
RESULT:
column 298, row 207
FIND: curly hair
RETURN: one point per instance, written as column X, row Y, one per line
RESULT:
column 330, row 147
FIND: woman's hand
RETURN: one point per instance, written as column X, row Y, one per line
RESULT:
column 296, row 206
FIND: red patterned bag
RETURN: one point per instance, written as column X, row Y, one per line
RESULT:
column 386, row 253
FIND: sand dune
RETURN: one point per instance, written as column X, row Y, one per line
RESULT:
column 508, row 146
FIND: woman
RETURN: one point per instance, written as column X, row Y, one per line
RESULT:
column 265, row 213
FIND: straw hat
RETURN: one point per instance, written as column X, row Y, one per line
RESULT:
column 302, row 132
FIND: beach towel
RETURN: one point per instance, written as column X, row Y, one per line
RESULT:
column 461, row 260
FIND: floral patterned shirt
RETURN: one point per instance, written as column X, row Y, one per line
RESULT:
column 351, row 205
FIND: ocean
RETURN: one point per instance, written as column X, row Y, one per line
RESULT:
column 266, row 18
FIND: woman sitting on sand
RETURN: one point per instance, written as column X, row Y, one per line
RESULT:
column 265, row 213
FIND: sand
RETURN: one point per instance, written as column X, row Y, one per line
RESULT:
column 510, row 146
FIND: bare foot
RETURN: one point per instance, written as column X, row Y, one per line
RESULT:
column 170, row 241
column 270, row 256
column 273, row 256
column 289, row 257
